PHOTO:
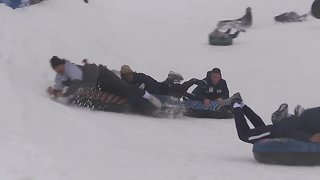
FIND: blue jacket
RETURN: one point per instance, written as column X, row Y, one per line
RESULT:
column 146, row 83
column 212, row 91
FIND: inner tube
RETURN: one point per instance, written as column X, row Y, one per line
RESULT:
column 196, row 109
column 287, row 152
column 315, row 9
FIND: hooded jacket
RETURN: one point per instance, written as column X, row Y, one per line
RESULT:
column 212, row 91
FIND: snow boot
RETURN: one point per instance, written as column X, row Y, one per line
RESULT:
column 280, row 114
column 298, row 110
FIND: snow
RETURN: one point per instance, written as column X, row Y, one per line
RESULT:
column 43, row 140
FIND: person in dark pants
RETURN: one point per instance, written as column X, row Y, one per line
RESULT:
column 75, row 77
column 304, row 127
column 170, row 87
column 217, row 89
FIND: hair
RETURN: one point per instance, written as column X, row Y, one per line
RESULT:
column 216, row 71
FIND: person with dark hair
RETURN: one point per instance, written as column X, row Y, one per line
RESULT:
column 75, row 77
column 217, row 89
column 304, row 125
column 170, row 87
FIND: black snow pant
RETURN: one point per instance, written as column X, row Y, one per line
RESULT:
column 110, row 82
column 292, row 127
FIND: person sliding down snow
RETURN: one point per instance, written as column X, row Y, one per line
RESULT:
column 240, row 23
column 76, row 77
column 290, row 17
column 217, row 89
column 170, row 87
column 304, row 125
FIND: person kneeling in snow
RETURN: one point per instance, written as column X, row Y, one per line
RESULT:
column 76, row 77
column 170, row 87
column 304, row 125
column 217, row 89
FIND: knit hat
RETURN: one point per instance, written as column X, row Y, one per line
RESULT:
column 55, row 61
column 125, row 69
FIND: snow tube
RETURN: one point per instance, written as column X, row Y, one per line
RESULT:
column 220, row 40
column 315, row 9
column 197, row 109
column 20, row 3
column 287, row 152
column 104, row 101
column 100, row 101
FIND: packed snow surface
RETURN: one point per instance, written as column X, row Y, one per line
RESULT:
column 42, row 140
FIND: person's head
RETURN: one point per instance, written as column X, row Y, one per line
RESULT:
column 215, row 75
column 57, row 64
column 127, row 73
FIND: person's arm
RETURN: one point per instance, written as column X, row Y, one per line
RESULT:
column 225, row 91
column 74, row 73
column 199, row 94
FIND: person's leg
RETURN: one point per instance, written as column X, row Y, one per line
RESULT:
column 253, row 117
column 245, row 133
column 110, row 81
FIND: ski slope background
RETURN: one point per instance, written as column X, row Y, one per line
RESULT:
column 42, row 140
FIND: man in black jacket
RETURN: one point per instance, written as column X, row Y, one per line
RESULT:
column 217, row 89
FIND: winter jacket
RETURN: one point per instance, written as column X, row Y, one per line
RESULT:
column 212, row 91
column 75, row 77
column 146, row 83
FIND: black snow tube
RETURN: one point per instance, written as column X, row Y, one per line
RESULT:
column 287, row 152
column 220, row 40
column 103, row 101
column 196, row 109
column 315, row 9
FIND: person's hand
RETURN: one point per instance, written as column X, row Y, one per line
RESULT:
column 59, row 94
column 315, row 138
column 219, row 100
column 206, row 103
column 50, row 91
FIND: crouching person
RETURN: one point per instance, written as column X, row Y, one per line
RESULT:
column 74, row 77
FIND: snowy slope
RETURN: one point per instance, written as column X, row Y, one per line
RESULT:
column 42, row 140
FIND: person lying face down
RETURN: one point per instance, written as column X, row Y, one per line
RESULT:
column 170, row 87
column 304, row 125
column 74, row 77
column 217, row 89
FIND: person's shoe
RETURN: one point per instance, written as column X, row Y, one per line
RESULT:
column 280, row 114
column 175, row 77
column 236, row 98
column 298, row 110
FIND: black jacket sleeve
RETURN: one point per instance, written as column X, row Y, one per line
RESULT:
column 225, row 90
column 199, row 93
